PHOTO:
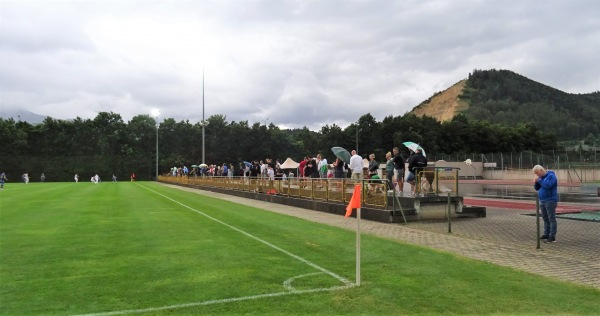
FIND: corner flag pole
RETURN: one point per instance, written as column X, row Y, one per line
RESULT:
column 355, row 203
column 358, row 246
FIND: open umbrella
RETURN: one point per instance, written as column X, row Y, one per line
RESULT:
column 247, row 164
column 203, row 165
column 194, row 166
column 414, row 146
column 341, row 153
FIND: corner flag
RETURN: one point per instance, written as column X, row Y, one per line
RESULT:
column 354, row 201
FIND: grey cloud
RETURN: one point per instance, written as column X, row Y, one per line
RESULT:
column 293, row 63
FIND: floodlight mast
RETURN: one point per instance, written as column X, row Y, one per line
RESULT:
column 155, row 114
column 357, row 122
column 203, row 123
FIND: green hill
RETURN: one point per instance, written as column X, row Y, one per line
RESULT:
column 507, row 98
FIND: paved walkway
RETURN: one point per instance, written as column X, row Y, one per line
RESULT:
column 546, row 262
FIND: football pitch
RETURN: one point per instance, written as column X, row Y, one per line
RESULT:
column 146, row 249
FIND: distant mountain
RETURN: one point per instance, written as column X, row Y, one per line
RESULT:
column 22, row 115
column 507, row 98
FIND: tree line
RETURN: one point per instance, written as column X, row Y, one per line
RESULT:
column 108, row 145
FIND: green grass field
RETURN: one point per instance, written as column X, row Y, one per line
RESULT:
column 125, row 248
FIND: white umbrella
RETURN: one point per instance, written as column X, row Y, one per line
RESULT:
column 414, row 146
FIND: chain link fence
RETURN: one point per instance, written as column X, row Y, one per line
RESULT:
column 528, row 159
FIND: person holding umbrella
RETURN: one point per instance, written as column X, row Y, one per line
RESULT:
column 338, row 166
column 416, row 163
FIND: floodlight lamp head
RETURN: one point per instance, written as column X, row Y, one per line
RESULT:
column 155, row 112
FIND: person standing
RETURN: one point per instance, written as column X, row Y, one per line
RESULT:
column 339, row 172
column 399, row 166
column 301, row 167
column 416, row 163
column 255, row 169
column 389, row 171
column 43, row 177
column 76, row 178
column 546, row 184
column 2, row 180
column 314, row 168
column 270, row 173
column 373, row 166
column 263, row 169
column 322, row 166
column 338, row 166
column 224, row 170
column 243, row 170
column 356, row 166
column 308, row 167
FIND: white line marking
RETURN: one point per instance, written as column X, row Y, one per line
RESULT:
column 287, row 284
column 226, row 300
column 338, row 277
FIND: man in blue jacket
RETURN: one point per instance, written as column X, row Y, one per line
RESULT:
column 547, row 186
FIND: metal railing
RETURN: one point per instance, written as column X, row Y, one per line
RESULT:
column 374, row 192
column 437, row 181
column 430, row 181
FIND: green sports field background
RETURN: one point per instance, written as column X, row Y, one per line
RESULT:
column 143, row 248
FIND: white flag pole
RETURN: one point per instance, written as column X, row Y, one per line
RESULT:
column 358, row 246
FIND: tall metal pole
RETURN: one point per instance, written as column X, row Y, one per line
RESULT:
column 155, row 114
column 156, row 147
column 203, row 123
column 356, row 136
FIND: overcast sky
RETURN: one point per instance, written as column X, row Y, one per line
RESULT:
column 291, row 63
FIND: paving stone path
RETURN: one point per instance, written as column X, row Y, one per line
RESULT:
column 548, row 262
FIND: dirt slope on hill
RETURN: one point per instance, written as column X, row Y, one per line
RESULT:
column 444, row 105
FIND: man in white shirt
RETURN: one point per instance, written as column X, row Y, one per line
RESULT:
column 270, row 173
column 263, row 169
column 356, row 165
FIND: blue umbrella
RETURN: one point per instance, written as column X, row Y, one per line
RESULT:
column 247, row 164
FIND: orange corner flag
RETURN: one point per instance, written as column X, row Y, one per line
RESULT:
column 354, row 201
